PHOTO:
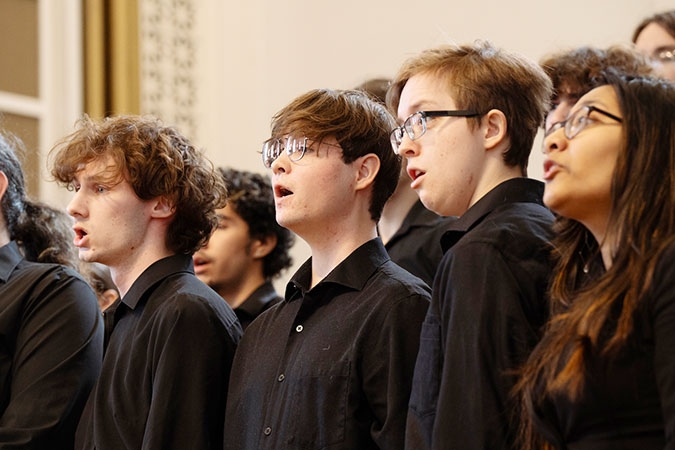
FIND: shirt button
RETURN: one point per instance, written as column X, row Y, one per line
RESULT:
column 281, row 377
column 268, row 431
column 299, row 328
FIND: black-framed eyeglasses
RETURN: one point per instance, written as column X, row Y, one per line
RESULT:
column 579, row 120
column 416, row 124
column 295, row 148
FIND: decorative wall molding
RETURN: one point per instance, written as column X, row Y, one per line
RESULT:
column 168, row 79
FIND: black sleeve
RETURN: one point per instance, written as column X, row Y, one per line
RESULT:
column 56, row 361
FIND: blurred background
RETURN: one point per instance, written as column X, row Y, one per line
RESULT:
column 219, row 69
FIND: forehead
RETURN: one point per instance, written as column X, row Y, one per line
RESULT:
column 602, row 96
column 568, row 91
column 102, row 167
column 424, row 91
column 228, row 212
column 653, row 38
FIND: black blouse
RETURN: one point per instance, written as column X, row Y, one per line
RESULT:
column 627, row 402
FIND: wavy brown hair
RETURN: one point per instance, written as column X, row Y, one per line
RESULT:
column 157, row 161
column 595, row 319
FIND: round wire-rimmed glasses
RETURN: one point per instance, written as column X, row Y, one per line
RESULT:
column 295, row 148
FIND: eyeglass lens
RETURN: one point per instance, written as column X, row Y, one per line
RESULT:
column 294, row 147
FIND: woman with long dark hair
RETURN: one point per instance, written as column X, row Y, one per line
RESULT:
column 603, row 376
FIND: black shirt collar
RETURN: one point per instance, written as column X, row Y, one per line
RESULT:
column 158, row 271
column 10, row 257
column 419, row 216
column 353, row 272
column 514, row 190
column 258, row 300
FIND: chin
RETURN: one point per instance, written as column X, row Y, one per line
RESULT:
column 552, row 202
column 433, row 206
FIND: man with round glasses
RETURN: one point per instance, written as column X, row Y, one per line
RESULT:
column 468, row 116
column 331, row 365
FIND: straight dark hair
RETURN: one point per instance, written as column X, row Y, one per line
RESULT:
column 596, row 318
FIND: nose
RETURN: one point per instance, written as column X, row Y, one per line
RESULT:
column 75, row 207
column 555, row 141
column 281, row 164
column 408, row 148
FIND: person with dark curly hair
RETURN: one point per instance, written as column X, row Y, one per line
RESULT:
column 248, row 248
column 577, row 71
column 50, row 326
column 144, row 200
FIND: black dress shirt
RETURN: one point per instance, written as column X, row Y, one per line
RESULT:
column 330, row 367
column 51, row 342
column 259, row 301
column 416, row 245
column 164, row 380
column 487, row 308
column 628, row 402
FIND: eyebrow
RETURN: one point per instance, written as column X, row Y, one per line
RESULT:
column 596, row 103
column 415, row 107
column 105, row 176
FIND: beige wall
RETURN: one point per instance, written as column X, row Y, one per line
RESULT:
column 256, row 56
column 245, row 60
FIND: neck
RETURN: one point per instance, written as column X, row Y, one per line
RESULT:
column 235, row 296
column 395, row 211
column 126, row 270
column 125, row 273
column 4, row 237
column 493, row 177
column 605, row 242
column 328, row 253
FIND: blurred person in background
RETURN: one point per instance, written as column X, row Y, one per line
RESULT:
column 410, row 232
column 577, row 71
column 248, row 248
column 51, row 330
column 655, row 37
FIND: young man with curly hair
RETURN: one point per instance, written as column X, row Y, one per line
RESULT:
column 144, row 200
